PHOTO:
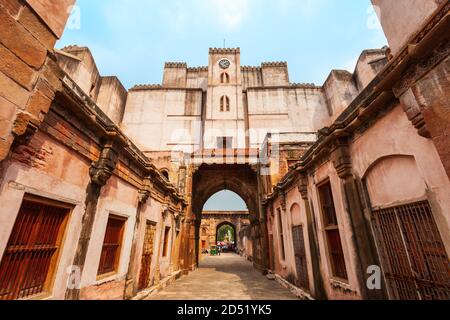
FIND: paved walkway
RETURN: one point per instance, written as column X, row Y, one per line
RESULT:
column 228, row 277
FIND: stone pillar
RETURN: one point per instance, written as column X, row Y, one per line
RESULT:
column 263, row 231
column 100, row 173
column 133, row 265
column 362, row 239
column 164, row 215
column 319, row 290
column 425, row 94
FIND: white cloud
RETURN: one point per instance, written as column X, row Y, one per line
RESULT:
column 229, row 14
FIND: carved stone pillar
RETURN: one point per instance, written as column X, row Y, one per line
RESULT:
column 424, row 92
column 319, row 290
column 100, row 172
column 133, row 265
column 362, row 239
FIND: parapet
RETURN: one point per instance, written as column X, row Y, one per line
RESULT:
column 181, row 65
column 250, row 68
column 198, row 69
column 224, row 50
column 273, row 64
column 139, row 87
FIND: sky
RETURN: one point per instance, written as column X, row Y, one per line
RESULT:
column 225, row 200
column 132, row 39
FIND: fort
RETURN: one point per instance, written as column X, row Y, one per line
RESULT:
column 111, row 183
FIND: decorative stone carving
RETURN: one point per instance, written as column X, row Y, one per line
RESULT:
column 303, row 187
column 103, row 168
column 145, row 192
column 165, row 211
column 282, row 196
column 341, row 159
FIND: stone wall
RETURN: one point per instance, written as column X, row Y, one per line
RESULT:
column 400, row 19
column 26, row 82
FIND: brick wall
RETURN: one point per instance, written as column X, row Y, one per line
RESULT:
column 28, row 74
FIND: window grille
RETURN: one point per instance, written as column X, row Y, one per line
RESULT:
column 415, row 262
column 29, row 261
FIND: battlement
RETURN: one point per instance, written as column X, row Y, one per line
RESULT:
column 250, row 68
column 305, row 86
column 181, row 65
column 224, row 50
column 146, row 87
column 273, row 64
column 197, row 69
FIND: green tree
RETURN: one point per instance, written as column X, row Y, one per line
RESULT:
column 225, row 232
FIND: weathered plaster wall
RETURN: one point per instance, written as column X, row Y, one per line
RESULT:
column 26, row 81
column 340, row 90
column 285, row 110
column 275, row 74
column 119, row 199
column 45, row 168
column 164, row 119
column 53, row 13
column 400, row 19
column 336, row 289
column 368, row 66
column 80, row 65
column 175, row 75
column 107, row 92
column 112, row 98
column 419, row 172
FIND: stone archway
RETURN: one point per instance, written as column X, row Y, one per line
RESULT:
column 241, row 179
column 213, row 220
column 223, row 224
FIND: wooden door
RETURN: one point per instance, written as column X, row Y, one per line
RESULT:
column 147, row 254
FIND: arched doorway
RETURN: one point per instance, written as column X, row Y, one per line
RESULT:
column 241, row 179
column 226, row 236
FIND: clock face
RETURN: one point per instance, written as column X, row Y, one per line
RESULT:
column 224, row 63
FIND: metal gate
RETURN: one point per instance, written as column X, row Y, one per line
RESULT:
column 415, row 262
column 300, row 257
column 147, row 254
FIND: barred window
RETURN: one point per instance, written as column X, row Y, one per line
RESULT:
column 30, row 258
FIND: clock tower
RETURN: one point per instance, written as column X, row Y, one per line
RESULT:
column 225, row 117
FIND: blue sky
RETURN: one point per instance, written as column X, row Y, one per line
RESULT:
column 225, row 200
column 133, row 38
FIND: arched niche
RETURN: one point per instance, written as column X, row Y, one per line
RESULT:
column 394, row 180
column 296, row 214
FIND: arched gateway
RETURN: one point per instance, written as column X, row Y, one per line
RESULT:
column 241, row 179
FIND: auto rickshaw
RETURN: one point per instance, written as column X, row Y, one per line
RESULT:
column 213, row 251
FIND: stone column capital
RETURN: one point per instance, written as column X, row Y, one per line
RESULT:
column 102, row 169
column 340, row 156
column 303, row 187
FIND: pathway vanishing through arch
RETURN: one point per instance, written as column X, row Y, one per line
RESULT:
column 228, row 277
